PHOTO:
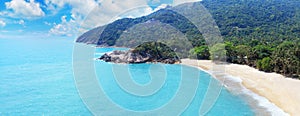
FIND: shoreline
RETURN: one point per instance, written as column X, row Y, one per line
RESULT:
column 265, row 91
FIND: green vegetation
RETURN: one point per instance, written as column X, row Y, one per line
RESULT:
column 260, row 33
column 265, row 64
column 283, row 59
column 157, row 51
column 256, row 21
column 113, row 31
column 217, row 52
column 202, row 52
column 286, row 58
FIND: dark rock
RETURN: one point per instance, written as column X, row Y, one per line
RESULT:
column 134, row 58
column 105, row 58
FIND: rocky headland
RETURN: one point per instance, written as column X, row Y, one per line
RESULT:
column 147, row 52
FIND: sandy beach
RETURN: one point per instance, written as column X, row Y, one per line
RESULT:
column 283, row 92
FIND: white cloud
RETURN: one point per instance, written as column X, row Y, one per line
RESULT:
column 97, row 14
column 80, row 9
column 89, row 14
column 110, row 11
column 155, row 1
column 65, row 28
column 143, row 11
column 2, row 23
column 160, row 7
column 21, row 22
column 23, row 9
column 137, row 12
column 177, row 2
column 47, row 23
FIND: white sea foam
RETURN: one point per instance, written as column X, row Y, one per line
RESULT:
column 234, row 84
column 261, row 101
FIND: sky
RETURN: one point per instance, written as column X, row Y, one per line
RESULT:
column 68, row 18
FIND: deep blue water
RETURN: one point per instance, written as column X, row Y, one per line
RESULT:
column 36, row 78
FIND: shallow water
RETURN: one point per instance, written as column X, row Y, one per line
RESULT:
column 37, row 79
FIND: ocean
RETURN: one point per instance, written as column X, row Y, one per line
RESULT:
column 36, row 78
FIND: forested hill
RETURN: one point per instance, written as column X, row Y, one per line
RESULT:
column 260, row 33
column 242, row 21
column 113, row 31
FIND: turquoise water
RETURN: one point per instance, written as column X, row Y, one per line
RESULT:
column 36, row 78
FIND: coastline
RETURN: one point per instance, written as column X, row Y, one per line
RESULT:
column 262, row 87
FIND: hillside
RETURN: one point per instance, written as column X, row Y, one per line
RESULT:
column 239, row 21
column 260, row 33
column 113, row 31
column 244, row 21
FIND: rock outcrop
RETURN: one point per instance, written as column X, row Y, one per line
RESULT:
column 146, row 52
column 134, row 58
